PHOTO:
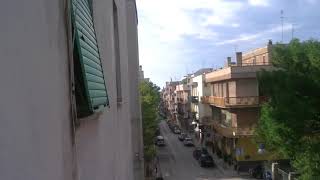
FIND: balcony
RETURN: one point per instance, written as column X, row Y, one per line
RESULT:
column 227, row 102
column 232, row 132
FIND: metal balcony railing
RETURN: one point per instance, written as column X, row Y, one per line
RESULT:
column 233, row 101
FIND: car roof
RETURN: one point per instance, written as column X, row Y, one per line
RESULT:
column 188, row 138
column 160, row 137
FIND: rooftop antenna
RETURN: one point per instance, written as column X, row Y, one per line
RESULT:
column 281, row 17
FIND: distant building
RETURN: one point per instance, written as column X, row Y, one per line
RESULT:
column 182, row 105
column 168, row 99
column 141, row 75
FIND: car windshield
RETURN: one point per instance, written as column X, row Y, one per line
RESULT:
column 160, row 138
column 204, row 151
column 208, row 158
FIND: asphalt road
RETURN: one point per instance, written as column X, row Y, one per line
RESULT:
column 177, row 163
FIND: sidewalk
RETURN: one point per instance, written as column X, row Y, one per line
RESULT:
column 220, row 164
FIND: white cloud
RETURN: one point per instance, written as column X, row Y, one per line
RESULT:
column 173, row 19
column 164, row 25
column 312, row 1
column 235, row 25
column 258, row 2
column 252, row 37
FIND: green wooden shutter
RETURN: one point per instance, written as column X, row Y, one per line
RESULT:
column 91, row 67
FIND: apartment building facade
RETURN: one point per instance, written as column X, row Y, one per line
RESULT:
column 200, row 113
column 168, row 99
column 235, row 103
column 182, row 105
column 70, row 109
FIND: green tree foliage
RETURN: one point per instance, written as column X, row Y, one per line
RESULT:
column 150, row 98
column 290, row 121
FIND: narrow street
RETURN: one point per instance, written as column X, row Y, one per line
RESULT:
column 177, row 163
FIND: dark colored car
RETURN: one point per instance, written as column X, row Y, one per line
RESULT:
column 188, row 142
column 182, row 136
column 205, row 160
column 198, row 152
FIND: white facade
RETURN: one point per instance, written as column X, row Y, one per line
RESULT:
column 199, row 89
column 35, row 108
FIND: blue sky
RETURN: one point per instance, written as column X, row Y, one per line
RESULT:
column 177, row 37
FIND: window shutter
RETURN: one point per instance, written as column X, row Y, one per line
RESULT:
column 89, row 57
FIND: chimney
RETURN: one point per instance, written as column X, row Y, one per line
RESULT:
column 228, row 63
column 239, row 58
column 269, row 47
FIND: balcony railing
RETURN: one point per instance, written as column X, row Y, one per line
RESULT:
column 233, row 101
column 232, row 131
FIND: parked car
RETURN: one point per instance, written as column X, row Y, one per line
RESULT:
column 160, row 141
column 188, row 142
column 182, row 136
column 199, row 151
column 205, row 160
column 176, row 130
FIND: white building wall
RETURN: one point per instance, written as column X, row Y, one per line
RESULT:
column 201, row 90
column 35, row 135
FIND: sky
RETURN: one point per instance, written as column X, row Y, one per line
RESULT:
column 177, row 37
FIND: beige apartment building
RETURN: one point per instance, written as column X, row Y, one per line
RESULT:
column 235, row 102
column 182, row 105
column 168, row 99
column 69, row 91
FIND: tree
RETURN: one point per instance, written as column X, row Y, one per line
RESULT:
column 150, row 98
column 290, row 121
